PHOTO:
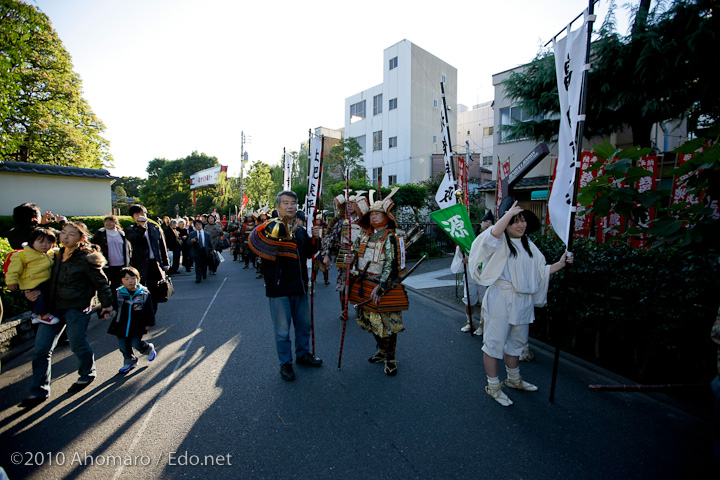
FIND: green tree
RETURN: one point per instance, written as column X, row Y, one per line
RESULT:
column 344, row 155
column 130, row 184
column 43, row 116
column 657, row 73
column 259, row 186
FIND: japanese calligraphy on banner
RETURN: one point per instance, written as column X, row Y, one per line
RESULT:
column 583, row 222
column 502, row 173
column 455, row 221
column 680, row 193
column 286, row 171
column 463, row 174
column 445, row 196
column 569, row 67
column 314, row 176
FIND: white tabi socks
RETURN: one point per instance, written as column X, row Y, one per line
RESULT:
column 514, row 380
column 493, row 389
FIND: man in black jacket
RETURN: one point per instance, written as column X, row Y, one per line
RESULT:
column 149, row 251
column 285, row 247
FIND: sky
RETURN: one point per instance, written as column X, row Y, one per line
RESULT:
column 169, row 77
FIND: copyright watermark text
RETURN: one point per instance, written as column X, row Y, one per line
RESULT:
column 88, row 459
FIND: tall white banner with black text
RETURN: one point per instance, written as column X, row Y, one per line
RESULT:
column 445, row 196
column 314, row 177
column 569, row 68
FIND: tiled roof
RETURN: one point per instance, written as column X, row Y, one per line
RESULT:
column 526, row 183
column 41, row 169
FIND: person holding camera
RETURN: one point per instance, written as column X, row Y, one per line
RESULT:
column 149, row 250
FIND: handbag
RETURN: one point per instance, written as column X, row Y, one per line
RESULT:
column 165, row 289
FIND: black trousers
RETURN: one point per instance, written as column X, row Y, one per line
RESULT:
column 201, row 263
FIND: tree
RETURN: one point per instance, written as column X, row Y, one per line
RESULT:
column 259, row 186
column 131, row 185
column 43, row 116
column 657, row 73
column 168, row 177
column 344, row 155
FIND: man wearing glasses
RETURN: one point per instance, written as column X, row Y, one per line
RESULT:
column 284, row 245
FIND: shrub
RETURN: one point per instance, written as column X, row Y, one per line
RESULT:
column 644, row 313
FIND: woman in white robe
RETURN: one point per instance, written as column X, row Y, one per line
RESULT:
column 516, row 274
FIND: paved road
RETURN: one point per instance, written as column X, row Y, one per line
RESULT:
column 213, row 405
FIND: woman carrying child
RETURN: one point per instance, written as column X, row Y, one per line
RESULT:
column 76, row 277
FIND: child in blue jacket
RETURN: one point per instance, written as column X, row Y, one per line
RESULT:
column 134, row 318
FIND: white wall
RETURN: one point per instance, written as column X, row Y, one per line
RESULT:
column 59, row 194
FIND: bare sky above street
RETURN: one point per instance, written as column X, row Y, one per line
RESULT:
column 168, row 77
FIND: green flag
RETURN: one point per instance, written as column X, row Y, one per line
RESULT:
column 455, row 221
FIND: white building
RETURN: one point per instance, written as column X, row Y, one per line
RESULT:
column 476, row 127
column 397, row 122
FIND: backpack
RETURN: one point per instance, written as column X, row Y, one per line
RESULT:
column 6, row 263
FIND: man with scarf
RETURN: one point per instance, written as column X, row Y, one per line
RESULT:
column 285, row 247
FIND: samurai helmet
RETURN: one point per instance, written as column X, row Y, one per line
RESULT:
column 384, row 206
column 360, row 204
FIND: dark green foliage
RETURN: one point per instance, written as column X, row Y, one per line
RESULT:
column 643, row 313
column 659, row 72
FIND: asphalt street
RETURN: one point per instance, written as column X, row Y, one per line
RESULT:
column 213, row 405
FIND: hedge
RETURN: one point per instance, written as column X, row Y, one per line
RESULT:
column 643, row 313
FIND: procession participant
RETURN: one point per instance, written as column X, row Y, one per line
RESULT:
column 318, row 263
column 517, row 276
column 75, row 279
column 201, row 247
column 378, row 264
column 340, row 233
column 183, row 234
column 149, row 251
column 213, row 229
column 115, row 248
column 285, row 246
column 248, row 226
column 476, row 290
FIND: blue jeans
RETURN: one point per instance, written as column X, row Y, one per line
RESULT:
column 46, row 339
column 126, row 345
column 283, row 311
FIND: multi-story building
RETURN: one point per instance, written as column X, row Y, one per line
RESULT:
column 397, row 122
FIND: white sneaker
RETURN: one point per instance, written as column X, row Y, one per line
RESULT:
column 466, row 328
column 479, row 331
column 152, row 353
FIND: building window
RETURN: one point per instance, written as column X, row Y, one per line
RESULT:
column 361, row 142
column 434, row 138
column 487, row 160
column 510, row 115
column 393, row 63
column 392, row 142
column 487, row 131
column 357, row 112
column 377, row 175
column 392, row 104
column 435, row 103
column 468, row 132
column 377, row 141
column 377, row 104
column 392, row 179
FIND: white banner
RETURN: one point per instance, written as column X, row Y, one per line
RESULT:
column 314, row 180
column 445, row 196
column 205, row 178
column 286, row 172
column 569, row 67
